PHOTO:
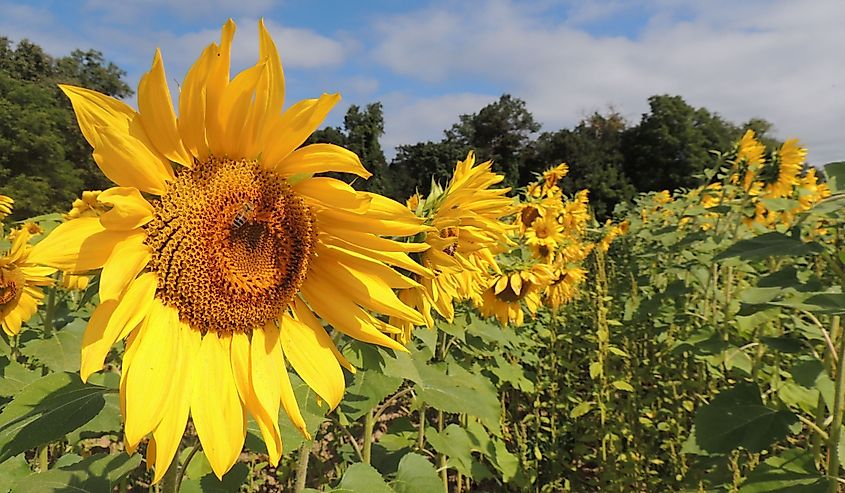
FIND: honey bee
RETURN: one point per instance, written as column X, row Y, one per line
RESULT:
column 246, row 212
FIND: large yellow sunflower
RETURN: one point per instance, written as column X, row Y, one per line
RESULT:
column 20, row 280
column 221, row 251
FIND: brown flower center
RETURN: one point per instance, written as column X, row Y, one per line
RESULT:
column 11, row 284
column 231, row 245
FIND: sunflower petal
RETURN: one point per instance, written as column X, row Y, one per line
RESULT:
column 321, row 158
column 157, row 116
column 294, row 126
column 310, row 354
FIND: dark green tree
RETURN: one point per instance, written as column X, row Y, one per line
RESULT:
column 593, row 152
column 416, row 165
column 501, row 132
column 671, row 145
column 44, row 160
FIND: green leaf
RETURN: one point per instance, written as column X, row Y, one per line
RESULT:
column 768, row 245
column 46, row 410
column 95, row 473
column 13, row 470
column 623, row 385
column 363, row 478
column 454, row 443
column 792, row 471
column 368, row 388
column 581, row 409
column 209, row 483
column 737, row 418
column 59, row 351
column 416, row 475
column 14, row 377
column 835, row 173
column 813, row 375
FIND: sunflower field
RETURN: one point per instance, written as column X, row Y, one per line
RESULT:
column 232, row 315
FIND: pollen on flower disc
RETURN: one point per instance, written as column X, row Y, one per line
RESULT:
column 231, row 245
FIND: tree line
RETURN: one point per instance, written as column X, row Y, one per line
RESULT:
column 45, row 161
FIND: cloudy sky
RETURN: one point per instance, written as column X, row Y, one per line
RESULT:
column 428, row 62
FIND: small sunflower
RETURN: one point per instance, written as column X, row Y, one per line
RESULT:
column 554, row 175
column 544, row 235
column 220, row 251
column 507, row 291
column 20, row 281
column 563, row 286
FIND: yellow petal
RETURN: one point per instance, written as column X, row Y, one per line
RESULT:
column 288, row 399
column 516, row 283
column 77, row 246
column 128, row 259
column 269, row 95
column 216, row 409
column 267, row 365
column 232, row 113
column 130, row 209
column 321, row 158
column 129, row 162
column 216, row 82
column 133, row 307
column 94, row 111
column 168, row 433
column 192, row 105
column 337, row 309
column 157, row 115
column 297, row 123
column 305, row 315
column 310, row 354
column 331, row 193
column 151, row 374
column 94, row 346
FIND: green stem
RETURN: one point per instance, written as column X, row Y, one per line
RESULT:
column 367, row 446
column 184, row 468
column 50, row 310
column 839, row 401
column 302, row 466
column 44, row 457
column 170, row 480
column 441, row 458
column 421, row 436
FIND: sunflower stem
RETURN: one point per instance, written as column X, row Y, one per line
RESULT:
column 50, row 310
column 44, row 457
column 170, row 480
column 184, row 468
column 838, row 408
column 367, row 446
column 441, row 458
column 302, row 466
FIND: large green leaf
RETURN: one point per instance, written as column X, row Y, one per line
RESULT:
column 416, row 475
column 792, row 471
column 835, row 173
column 14, row 377
column 454, row 443
column 60, row 350
column 363, row 478
column 368, row 388
column 768, row 245
column 95, row 473
column 13, row 470
column 737, row 418
column 46, row 410
column 208, row 483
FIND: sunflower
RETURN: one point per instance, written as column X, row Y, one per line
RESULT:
column 6, row 204
column 466, row 232
column 791, row 161
column 506, row 291
column 221, row 251
column 554, row 175
column 544, row 235
column 563, row 286
column 20, row 280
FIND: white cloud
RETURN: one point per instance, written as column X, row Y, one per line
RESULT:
column 410, row 119
column 775, row 60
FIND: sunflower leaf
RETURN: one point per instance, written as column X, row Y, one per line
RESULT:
column 45, row 410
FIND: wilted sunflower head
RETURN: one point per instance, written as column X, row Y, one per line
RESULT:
column 221, row 251
column 514, row 286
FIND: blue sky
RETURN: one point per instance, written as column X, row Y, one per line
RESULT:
column 428, row 62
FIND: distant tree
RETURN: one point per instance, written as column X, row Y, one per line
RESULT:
column 416, row 165
column 671, row 145
column 44, row 160
column 593, row 152
column 501, row 131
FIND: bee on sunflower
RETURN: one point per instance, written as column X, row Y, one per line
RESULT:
column 212, row 306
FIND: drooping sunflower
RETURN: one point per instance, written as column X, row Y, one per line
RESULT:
column 221, row 252
column 544, row 235
column 466, row 232
column 20, row 282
